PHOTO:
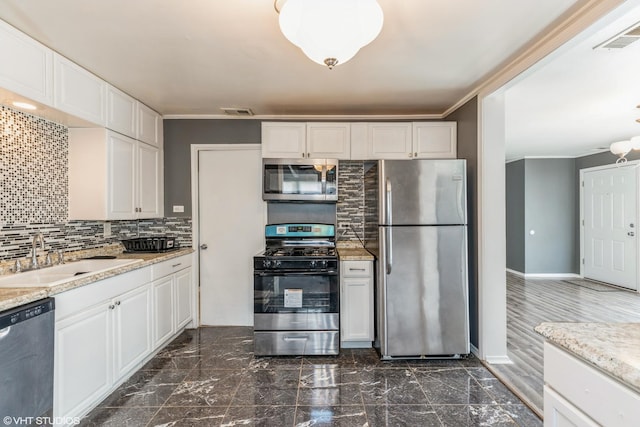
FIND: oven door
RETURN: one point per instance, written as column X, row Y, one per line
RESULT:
column 296, row 300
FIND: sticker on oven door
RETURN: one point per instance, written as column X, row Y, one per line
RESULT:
column 293, row 298
column 281, row 230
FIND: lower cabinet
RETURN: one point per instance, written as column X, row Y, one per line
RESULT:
column 172, row 292
column 356, row 304
column 108, row 329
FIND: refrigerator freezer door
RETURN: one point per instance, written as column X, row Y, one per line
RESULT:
column 423, row 305
column 422, row 192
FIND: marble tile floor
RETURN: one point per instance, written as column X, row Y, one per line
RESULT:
column 210, row 377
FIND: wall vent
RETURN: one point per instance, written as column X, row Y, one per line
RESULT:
column 623, row 39
column 232, row 111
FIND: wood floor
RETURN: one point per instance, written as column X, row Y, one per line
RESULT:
column 533, row 301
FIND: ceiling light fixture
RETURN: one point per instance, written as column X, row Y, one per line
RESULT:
column 622, row 148
column 330, row 32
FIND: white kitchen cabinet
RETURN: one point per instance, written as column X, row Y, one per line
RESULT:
column 78, row 92
column 149, row 125
column 356, row 303
column 434, row 140
column 172, row 287
column 27, row 66
column 574, row 393
column 112, row 176
column 83, row 359
column 284, row 140
column 389, row 140
column 132, row 329
column 328, row 141
column 121, row 112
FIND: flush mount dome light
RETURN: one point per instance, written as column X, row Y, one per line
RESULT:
column 330, row 32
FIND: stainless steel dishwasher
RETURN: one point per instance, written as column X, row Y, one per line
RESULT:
column 26, row 360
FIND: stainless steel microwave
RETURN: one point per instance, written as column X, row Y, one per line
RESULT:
column 300, row 180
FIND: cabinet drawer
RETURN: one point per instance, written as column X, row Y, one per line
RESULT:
column 586, row 388
column 356, row 268
column 171, row 266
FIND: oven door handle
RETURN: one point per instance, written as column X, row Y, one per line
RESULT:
column 295, row 273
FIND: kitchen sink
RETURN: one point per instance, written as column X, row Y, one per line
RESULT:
column 51, row 276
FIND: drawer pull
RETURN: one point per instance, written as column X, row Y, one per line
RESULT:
column 176, row 265
column 296, row 338
column 357, row 269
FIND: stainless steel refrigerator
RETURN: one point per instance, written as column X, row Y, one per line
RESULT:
column 416, row 224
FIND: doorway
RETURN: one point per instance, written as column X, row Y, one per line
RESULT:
column 230, row 230
column 609, row 220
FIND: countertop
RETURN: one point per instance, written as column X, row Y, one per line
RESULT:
column 614, row 348
column 354, row 254
column 14, row 297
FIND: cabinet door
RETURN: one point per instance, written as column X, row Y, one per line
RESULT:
column 121, row 176
column 83, row 363
column 356, row 315
column 149, row 124
column 27, row 67
column 283, row 140
column 148, row 188
column 390, row 140
column 121, row 112
column 132, row 329
column 183, row 297
column 558, row 412
column 163, row 313
column 78, row 92
column 434, row 140
column 329, row 141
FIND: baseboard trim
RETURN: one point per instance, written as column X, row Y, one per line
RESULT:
column 498, row 360
column 544, row 275
column 475, row 351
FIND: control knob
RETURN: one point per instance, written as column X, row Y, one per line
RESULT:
column 266, row 263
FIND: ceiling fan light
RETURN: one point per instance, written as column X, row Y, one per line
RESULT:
column 326, row 29
column 620, row 148
column 635, row 143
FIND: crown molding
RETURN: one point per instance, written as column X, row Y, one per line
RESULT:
column 306, row 117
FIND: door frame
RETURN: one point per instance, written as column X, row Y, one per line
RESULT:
column 195, row 212
column 635, row 164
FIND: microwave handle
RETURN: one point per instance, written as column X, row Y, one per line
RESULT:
column 324, row 180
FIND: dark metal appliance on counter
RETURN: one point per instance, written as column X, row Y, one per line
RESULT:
column 296, row 291
column 150, row 244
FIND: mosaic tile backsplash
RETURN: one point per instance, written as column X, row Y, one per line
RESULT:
column 33, row 169
column 15, row 239
column 350, row 207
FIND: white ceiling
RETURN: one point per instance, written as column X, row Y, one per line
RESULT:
column 194, row 57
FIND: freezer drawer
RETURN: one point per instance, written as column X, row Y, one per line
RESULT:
column 296, row 343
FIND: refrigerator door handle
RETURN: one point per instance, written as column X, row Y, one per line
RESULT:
column 389, row 250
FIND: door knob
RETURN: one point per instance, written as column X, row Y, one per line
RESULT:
column 631, row 234
column 203, row 246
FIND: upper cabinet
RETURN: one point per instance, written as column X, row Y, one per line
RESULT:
column 121, row 112
column 403, row 141
column 435, row 140
column 306, row 140
column 27, row 66
column 78, row 92
column 112, row 176
column 149, row 125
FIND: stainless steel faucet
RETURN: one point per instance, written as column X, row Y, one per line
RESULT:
column 34, row 251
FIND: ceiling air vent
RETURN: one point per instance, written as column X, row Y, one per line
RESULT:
column 623, row 39
column 231, row 111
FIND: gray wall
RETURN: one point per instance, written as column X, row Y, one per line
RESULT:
column 467, row 118
column 541, row 196
column 515, row 190
column 178, row 137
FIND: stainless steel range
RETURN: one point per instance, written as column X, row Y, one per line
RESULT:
column 296, row 291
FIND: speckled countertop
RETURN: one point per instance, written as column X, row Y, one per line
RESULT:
column 13, row 297
column 612, row 347
column 347, row 253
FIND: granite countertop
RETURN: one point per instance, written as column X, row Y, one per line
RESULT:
column 612, row 347
column 14, row 297
column 354, row 254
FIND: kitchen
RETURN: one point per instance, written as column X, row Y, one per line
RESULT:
column 241, row 137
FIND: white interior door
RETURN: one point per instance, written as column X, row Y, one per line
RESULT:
column 610, row 223
column 231, row 216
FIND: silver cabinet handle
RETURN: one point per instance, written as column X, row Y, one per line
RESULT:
column 203, row 246
column 357, row 269
column 111, row 307
column 631, row 234
column 176, row 265
column 117, row 302
column 305, row 338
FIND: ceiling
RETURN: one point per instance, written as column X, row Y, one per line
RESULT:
column 194, row 58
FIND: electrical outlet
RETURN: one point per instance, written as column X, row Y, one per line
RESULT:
column 343, row 225
column 107, row 230
column 178, row 208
